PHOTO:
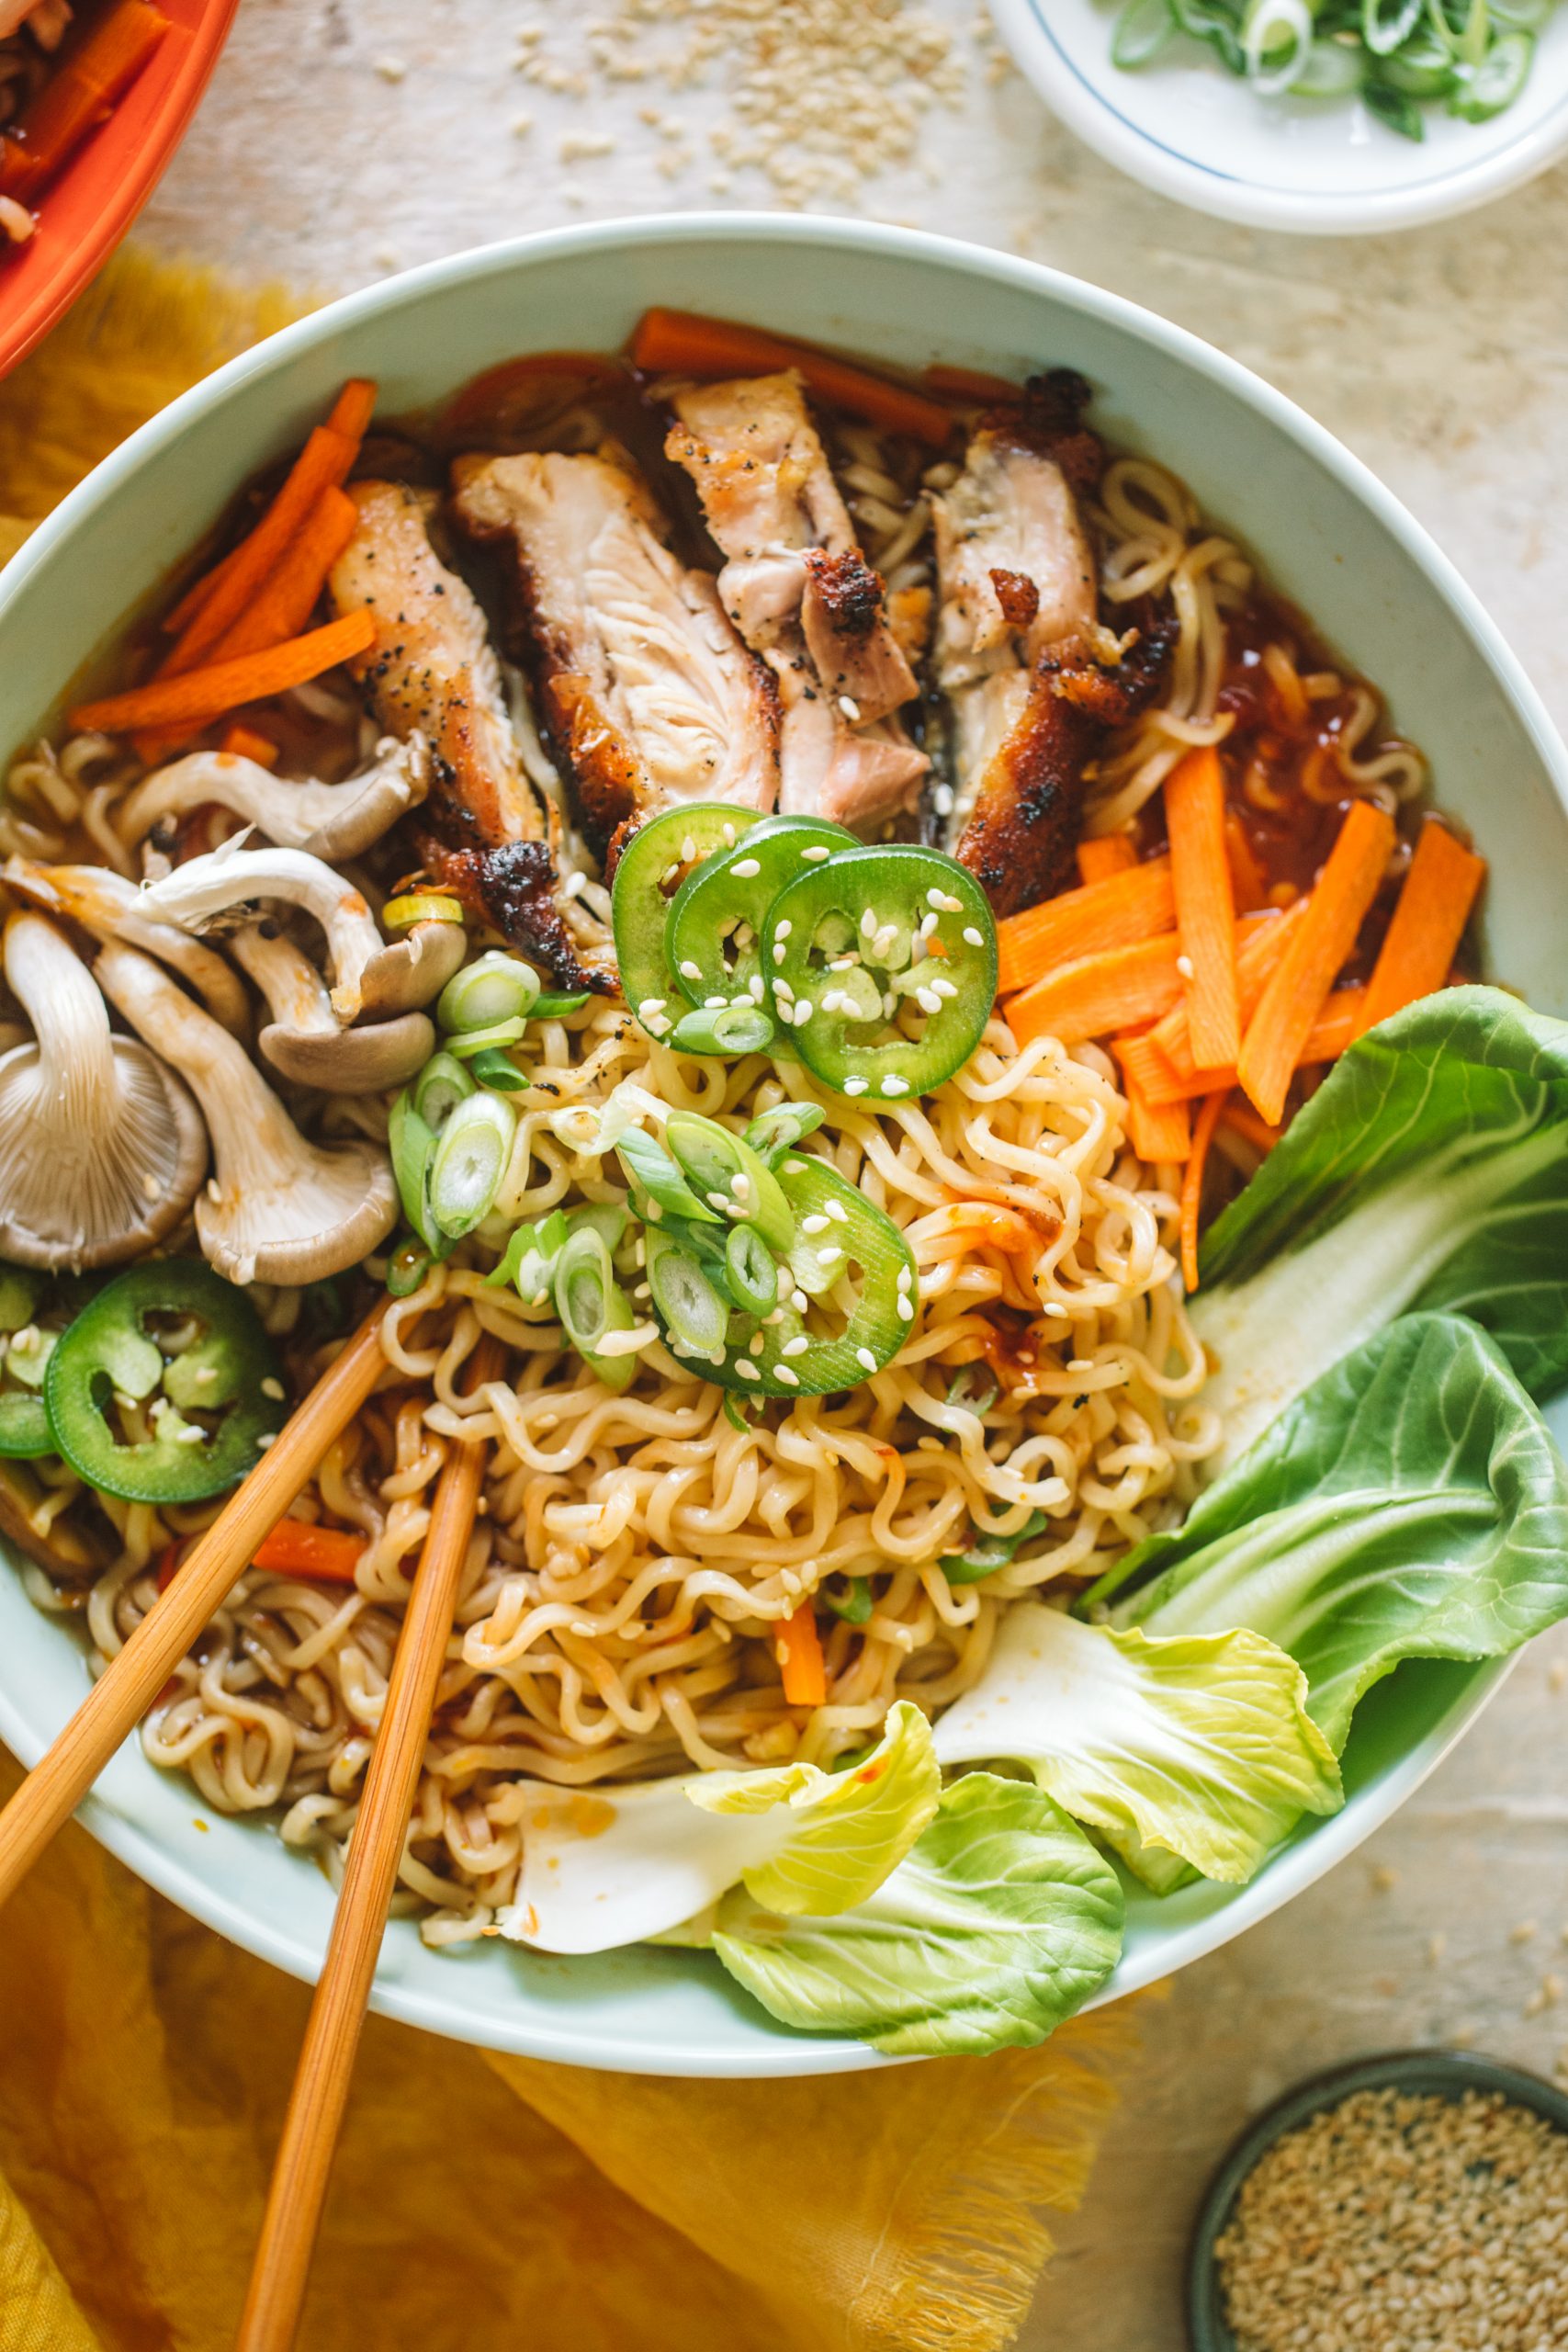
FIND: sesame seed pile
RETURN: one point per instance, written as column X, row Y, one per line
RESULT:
column 1400, row 2223
column 820, row 95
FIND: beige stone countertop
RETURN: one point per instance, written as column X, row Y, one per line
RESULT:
column 342, row 140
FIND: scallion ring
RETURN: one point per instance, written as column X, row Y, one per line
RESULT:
column 723, row 1029
column 690, row 1307
column 420, row 906
column 1385, row 24
column 650, row 1168
column 751, row 1271
column 1276, row 42
column 486, row 1041
column 1141, row 30
column 470, row 1160
column 494, row 1068
column 775, row 1132
column 494, row 988
column 441, row 1085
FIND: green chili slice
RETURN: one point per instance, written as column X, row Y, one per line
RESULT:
column 658, row 857
column 469, row 1162
column 777, row 1131
column 730, row 1177
column 212, row 1405
column 986, row 1554
column 493, row 989
column 751, row 1270
column 25, row 1432
column 903, row 927
column 714, row 943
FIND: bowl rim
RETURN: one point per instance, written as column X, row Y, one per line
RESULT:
column 1441, row 2071
column 1297, row 1865
column 127, row 193
column 1086, row 109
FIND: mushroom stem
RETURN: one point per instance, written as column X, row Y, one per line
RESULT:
column 330, row 821
column 101, row 1148
column 369, row 977
column 282, row 1209
column 109, row 907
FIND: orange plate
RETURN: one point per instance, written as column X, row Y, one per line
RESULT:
column 86, row 210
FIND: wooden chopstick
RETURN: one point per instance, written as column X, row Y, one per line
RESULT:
column 375, row 1849
column 132, row 1681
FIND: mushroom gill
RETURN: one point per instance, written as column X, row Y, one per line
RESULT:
column 280, row 1207
column 101, row 1147
column 329, row 820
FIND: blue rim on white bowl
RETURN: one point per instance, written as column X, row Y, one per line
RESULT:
column 1334, row 541
column 1191, row 130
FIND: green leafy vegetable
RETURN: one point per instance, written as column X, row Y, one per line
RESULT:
column 1411, row 1504
column 1196, row 1746
column 1001, row 1923
column 1429, row 1171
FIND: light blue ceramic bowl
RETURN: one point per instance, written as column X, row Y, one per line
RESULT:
column 1332, row 539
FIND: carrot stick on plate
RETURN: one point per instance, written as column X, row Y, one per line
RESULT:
column 684, row 342
column 1159, row 1131
column 1096, row 995
column 200, row 694
column 1107, row 855
column 1126, row 906
column 1209, row 1116
column 1318, row 946
column 799, row 1648
column 87, row 82
column 1206, row 903
column 1331, row 1034
column 1434, row 907
column 291, row 591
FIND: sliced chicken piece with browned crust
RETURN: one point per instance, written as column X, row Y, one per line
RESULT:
column 435, row 671
column 432, row 667
column 647, row 695
column 799, row 590
column 1031, row 680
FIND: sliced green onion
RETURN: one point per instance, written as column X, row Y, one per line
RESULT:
column 1333, row 70
column 412, row 1143
column 494, row 1068
column 582, row 1286
column 486, row 1041
column 690, row 1307
column 529, row 1261
column 1141, row 30
column 986, row 1554
column 1424, row 68
column 723, row 1029
column 20, row 1290
column 735, row 1414
column 469, row 1162
column 606, row 1218
column 983, row 1397
column 650, row 1168
column 550, row 1005
column 1213, row 22
column 495, row 988
column 1394, row 108
column 1276, row 42
column 1385, row 24
column 779, row 1130
column 1487, row 88
column 441, row 1085
column 25, row 1431
column 730, row 1177
column 855, row 1605
column 420, row 906
column 751, row 1270
column 26, row 1359
column 407, row 1267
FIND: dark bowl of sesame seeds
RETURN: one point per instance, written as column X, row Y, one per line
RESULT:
column 1414, row 2202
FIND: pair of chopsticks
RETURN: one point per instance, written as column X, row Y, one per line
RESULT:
column 130, row 1683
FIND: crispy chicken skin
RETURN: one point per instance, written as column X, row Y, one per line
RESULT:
column 1018, row 642
column 799, row 590
column 647, row 695
column 432, row 667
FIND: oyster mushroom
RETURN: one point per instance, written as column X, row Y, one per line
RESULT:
column 370, row 980
column 329, row 820
column 280, row 1208
column 101, row 1147
column 109, row 907
column 306, row 1042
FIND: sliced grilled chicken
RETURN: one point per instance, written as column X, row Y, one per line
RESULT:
column 1019, row 644
column 484, row 832
column 647, row 694
column 799, row 590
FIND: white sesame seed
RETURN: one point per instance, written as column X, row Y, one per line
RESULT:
column 941, row 800
column 944, row 987
column 1184, row 965
column 936, row 898
column 928, row 924
column 782, row 930
column 778, row 951
column 928, row 1000
column 906, row 1308
column 715, row 1004
column 814, row 855
column 729, row 837
column 755, row 1345
column 831, row 1256
column 906, row 1278
column 741, row 1185
column 868, row 924
column 718, row 1201
column 803, row 1011
column 748, row 1370
column 689, row 971
column 799, row 1301
column 856, row 1085
column 864, row 1358
column 838, row 1212
column 895, row 1086
column 795, row 1167
column 744, row 868
column 848, row 706
column 262, row 1442
column 814, row 1224
column 756, row 989
column 795, row 1347
column 1054, row 1307
column 974, row 938
column 271, row 1387
column 651, row 1005
column 688, row 850
column 785, row 1372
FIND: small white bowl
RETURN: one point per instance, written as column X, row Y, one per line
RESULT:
column 1190, row 129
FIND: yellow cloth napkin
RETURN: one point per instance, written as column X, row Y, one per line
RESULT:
column 478, row 2201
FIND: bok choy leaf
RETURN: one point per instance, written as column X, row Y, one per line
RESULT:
column 1001, row 1923
column 1411, row 1504
column 1430, row 1170
column 1196, row 1746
